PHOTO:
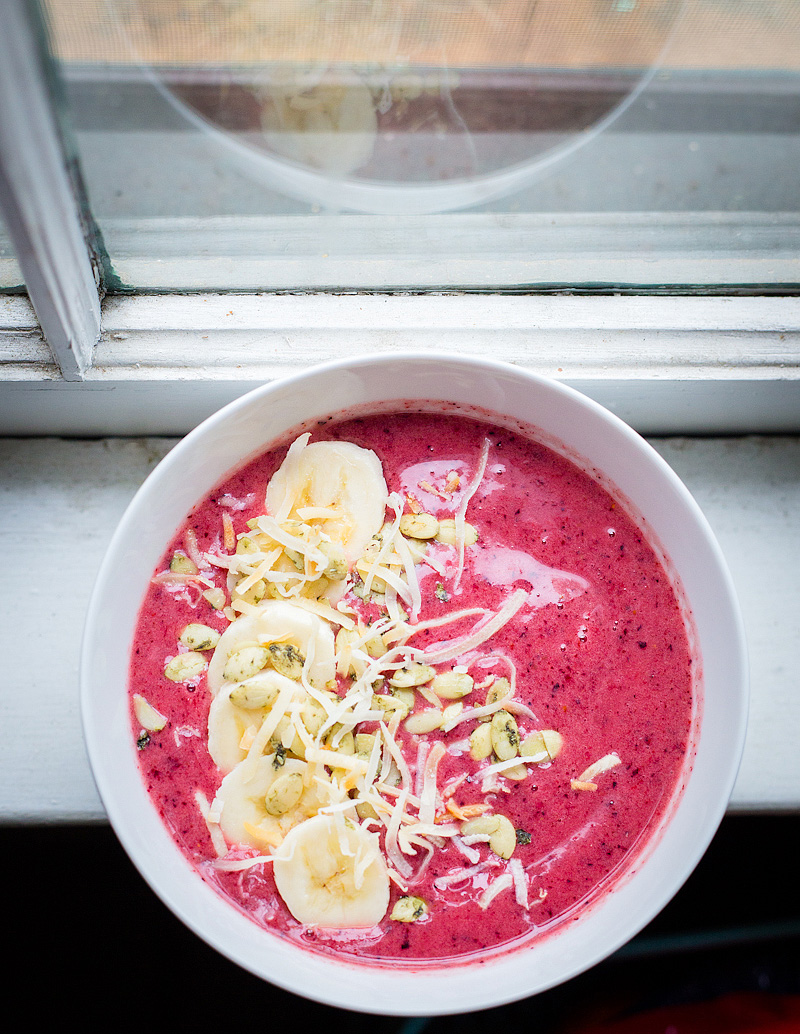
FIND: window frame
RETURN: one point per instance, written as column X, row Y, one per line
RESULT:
column 39, row 200
column 671, row 365
column 74, row 362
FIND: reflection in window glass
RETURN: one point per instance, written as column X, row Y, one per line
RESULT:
column 10, row 273
column 422, row 143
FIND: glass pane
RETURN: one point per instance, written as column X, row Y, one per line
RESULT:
column 11, row 280
column 283, row 144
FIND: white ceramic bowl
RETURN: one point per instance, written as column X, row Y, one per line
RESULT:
column 246, row 427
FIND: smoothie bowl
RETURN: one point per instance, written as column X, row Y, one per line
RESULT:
column 415, row 684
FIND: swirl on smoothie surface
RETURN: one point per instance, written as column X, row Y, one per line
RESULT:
column 418, row 695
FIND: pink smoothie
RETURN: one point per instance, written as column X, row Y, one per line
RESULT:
column 601, row 653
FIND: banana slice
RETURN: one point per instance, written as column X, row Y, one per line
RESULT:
column 337, row 485
column 331, row 874
column 260, row 802
column 240, row 706
column 280, row 623
column 327, row 126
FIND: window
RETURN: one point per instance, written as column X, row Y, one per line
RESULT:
column 603, row 190
column 10, row 273
column 363, row 144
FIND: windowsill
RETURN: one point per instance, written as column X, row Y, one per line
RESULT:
column 666, row 365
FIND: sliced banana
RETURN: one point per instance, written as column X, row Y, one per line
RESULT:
column 331, row 874
column 240, row 706
column 281, row 623
column 327, row 126
column 259, row 803
column 340, row 482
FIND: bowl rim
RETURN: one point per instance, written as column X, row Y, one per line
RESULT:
column 438, row 991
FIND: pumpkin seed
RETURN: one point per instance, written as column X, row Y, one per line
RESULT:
column 447, row 532
column 419, row 525
column 377, row 584
column 365, row 741
column 344, row 745
column 375, row 647
column 215, row 597
column 389, row 703
column 553, row 742
column 284, row 793
column 505, row 735
column 254, row 693
column 405, row 696
column 424, row 721
column 297, row 560
column 451, row 685
column 533, row 745
column 336, row 569
column 181, row 564
column 185, row 666
column 452, row 711
column 245, row 662
column 287, row 660
column 412, row 675
column 499, row 690
column 546, row 742
column 409, row 909
column 480, row 741
column 255, row 594
column 501, row 833
column 199, row 637
column 146, row 715
column 313, row 716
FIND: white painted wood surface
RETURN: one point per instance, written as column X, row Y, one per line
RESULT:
column 453, row 250
column 60, row 501
column 665, row 365
column 40, row 207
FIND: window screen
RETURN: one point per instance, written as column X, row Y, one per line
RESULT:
column 475, row 144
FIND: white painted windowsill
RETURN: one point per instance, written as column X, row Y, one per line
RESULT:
column 666, row 365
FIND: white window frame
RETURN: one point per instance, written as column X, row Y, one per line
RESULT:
column 73, row 363
column 39, row 201
column 673, row 365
